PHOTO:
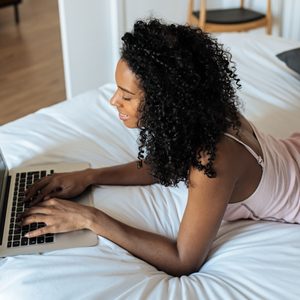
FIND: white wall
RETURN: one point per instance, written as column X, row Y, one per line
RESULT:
column 169, row 10
column 290, row 14
column 91, row 31
column 87, row 42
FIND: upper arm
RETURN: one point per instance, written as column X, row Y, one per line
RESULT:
column 207, row 201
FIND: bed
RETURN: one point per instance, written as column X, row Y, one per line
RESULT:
column 248, row 259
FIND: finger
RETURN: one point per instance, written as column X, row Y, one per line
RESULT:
column 33, row 187
column 34, row 218
column 36, row 198
column 32, row 190
column 42, row 194
column 40, row 231
column 39, row 184
column 37, row 210
column 50, row 202
column 58, row 193
column 50, row 188
column 34, row 201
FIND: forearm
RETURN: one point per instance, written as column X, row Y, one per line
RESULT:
column 126, row 174
column 155, row 249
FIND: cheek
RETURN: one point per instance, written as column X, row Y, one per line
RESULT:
column 137, row 113
column 138, row 107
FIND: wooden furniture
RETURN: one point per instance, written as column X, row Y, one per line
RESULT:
column 225, row 20
column 15, row 3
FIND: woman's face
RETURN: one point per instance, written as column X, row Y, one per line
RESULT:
column 128, row 95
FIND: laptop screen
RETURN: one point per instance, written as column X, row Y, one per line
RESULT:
column 3, row 200
column 3, row 168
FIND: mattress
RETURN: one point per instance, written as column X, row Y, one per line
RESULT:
column 248, row 259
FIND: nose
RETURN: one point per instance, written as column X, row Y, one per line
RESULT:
column 115, row 99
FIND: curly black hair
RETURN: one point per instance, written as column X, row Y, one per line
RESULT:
column 189, row 86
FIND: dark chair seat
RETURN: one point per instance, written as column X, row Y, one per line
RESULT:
column 230, row 16
column 9, row 2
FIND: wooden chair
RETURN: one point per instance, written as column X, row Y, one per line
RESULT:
column 15, row 3
column 225, row 20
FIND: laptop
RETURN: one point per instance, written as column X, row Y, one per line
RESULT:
column 13, row 184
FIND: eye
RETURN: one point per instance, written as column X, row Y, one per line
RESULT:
column 126, row 98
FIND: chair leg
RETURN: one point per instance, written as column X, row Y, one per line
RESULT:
column 17, row 17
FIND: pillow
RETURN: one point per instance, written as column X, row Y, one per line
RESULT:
column 291, row 58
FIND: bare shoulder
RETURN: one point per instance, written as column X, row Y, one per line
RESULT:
column 237, row 169
column 213, row 194
column 227, row 165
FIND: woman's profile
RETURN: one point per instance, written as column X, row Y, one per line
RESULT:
column 178, row 85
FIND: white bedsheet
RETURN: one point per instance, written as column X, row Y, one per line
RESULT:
column 248, row 260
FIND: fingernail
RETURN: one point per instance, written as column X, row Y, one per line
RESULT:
column 27, row 235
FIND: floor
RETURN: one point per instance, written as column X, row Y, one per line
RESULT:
column 31, row 66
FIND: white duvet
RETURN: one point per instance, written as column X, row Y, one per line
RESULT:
column 248, row 260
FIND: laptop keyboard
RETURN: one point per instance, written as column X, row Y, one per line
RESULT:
column 16, row 236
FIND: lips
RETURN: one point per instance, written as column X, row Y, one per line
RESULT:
column 123, row 117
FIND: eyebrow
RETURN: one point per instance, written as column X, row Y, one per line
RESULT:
column 126, row 90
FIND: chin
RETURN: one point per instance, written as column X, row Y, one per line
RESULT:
column 131, row 124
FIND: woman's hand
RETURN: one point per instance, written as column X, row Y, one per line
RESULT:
column 62, row 185
column 59, row 216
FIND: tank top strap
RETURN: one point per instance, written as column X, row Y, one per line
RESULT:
column 255, row 155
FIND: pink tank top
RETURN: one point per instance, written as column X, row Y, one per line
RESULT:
column 277, row 196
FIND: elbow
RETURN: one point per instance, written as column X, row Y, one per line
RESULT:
column 183, row 271
column 185, row 268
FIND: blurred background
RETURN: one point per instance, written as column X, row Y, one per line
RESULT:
column 31, row 66
column 51, row 50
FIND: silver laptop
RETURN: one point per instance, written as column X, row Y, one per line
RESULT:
column 13, row 183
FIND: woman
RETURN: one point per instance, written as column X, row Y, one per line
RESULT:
column 176, row 84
